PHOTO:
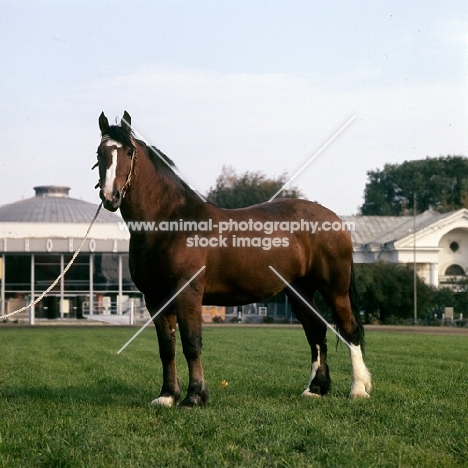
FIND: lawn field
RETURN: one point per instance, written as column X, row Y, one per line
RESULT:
column 67, row 399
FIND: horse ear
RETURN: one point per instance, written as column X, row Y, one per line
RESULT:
column 126, row 122
column 103, row 124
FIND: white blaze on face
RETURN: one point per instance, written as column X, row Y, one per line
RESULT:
column 108, row 188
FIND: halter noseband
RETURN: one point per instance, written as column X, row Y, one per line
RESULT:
column 106, row 137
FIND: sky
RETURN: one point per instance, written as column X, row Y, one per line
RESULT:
column 255, row 85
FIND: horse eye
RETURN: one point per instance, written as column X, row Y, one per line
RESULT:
column 129, row 152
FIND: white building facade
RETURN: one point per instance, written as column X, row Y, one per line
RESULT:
column 436, row 243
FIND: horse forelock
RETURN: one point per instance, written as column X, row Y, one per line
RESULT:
column 120, row 135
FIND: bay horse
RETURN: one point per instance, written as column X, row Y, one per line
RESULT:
column 142, row 182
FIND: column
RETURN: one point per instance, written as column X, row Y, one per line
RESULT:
column 62, row 287
column 119, row 298
column 91, row 284
column 32, row 311
column 434, row 274
column 2, row 285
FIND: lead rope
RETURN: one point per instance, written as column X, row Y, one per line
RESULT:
column 52, row 286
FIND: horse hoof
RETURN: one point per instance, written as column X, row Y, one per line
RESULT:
column 361, row 389
column 189, row 403
column 166, row 401
column 195, row 399
column 355, row 396
column 308, row 394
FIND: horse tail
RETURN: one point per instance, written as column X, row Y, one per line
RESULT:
column 353, row 298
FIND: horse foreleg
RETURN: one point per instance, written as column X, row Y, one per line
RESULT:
column 166, row 331
column 319, row 381
column 189, row 317
column 315, row 330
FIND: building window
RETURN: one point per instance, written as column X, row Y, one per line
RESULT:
column 454, row 246
column 106, row 272
column 77, row 278
column 46, row 270
column 454, row 270
column 17, row 273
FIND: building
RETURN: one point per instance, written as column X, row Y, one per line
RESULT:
column 437, row 243
column 38, row 237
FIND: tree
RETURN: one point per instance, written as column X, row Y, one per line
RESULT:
column 437, row 183
column 385, row 291
column 237, row 191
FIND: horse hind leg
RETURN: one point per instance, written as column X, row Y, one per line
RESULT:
column 352, row 330
column 361, row 378
column 315, row 330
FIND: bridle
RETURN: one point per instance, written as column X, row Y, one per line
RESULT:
column 134, row 158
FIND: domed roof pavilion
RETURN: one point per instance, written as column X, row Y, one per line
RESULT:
column 38, row 237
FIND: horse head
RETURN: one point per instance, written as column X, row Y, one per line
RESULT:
column 116, row 158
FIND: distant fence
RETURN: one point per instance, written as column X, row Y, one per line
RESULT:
column 260, row 313
column 128, row 312
column 132, row 310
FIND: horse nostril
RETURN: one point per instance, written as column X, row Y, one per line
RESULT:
column 116, row 195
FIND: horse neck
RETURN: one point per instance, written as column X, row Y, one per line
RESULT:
column 153, row 194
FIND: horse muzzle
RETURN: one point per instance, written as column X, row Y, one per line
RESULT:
column 111, row 203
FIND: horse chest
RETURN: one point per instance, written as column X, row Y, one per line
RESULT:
column 149, row 265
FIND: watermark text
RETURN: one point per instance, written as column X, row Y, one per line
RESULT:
column 250, row 225
column 225, row 233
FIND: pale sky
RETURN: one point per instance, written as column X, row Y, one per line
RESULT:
column 258, row 85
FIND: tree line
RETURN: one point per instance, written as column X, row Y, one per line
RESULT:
column 440, row 184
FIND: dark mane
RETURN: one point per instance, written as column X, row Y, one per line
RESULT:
column 156, row 155
column 161, row 161
column 164, row 163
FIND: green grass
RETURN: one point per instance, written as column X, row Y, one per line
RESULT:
column 68, row 400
